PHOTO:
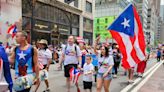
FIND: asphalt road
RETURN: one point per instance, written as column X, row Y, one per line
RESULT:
column 58, row 84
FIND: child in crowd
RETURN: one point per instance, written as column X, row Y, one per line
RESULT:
column 88, row 74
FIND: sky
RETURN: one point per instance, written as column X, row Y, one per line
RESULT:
column 162, row 2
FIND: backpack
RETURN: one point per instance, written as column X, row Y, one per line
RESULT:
column 75, row 49
column 32, row 53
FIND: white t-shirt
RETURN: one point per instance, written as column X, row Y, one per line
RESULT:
column 104, row 63
column 87, row 68
column 71, row 55
column 44, row 55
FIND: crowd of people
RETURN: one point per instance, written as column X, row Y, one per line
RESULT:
column 31, row 63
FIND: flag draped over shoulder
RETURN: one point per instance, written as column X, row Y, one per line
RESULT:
column 128, row 33
column 74, row 75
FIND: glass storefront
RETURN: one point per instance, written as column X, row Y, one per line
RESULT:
column 88, row 37
column 88, row 30
column 50, row 21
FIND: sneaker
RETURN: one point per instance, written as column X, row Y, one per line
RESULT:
column 115, row 76
column 130, row 81
column 141, row 75
column 47, row 90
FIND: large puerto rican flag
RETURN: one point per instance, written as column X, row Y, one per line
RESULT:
column 12, row 30
column 128, row 33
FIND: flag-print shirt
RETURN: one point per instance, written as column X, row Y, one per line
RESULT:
column 104, row 63
column 23, row 62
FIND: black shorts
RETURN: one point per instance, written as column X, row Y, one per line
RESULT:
column 25, row 90
column 67, row 68
column 87, row 85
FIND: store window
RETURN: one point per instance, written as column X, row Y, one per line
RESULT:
column 75, row 31
column 88, row 37
column 26, row 23
column 42, row 26
column 75, row 20
column 42, row 35
column 65, row 30
column 26, row 9
column 88, row 7
column 88, row 25
column 64, row 17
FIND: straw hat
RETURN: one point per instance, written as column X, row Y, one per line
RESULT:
column 42, row 41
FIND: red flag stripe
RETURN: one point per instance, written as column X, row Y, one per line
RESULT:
column 10, row 28
column 122, row 48
column 140, row 35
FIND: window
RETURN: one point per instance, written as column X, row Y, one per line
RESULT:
column 88, row 25
column 106, row 27
column 76, row 3
column 89, row 7
column 98, row 28
column 75, row 20
column 106, row 20
column 114, row 17
column 26, row 9
column 98, row 21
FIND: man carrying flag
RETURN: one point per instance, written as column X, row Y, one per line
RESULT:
column 5, row 71
column 71, row 56
column 128, row 33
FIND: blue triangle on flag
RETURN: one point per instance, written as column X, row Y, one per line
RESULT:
column 125, row 22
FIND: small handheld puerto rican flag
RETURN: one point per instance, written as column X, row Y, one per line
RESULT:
column 74, row 75
column 12, row 30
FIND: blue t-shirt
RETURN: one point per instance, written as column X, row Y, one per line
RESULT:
column 158, row 53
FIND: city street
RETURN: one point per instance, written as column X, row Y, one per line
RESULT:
column 58, row 83
column 116, row 36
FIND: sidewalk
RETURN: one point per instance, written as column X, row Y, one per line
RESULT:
column 155, row 83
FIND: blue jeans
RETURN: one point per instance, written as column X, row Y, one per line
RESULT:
column 108, row 77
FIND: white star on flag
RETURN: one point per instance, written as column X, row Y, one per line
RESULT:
column 21, row 55
column 125, row 23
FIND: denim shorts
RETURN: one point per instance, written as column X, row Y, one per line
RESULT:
column 100, row 75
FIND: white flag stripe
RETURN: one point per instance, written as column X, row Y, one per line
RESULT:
column 128, row 45
column 11, row 31
column 138, row 50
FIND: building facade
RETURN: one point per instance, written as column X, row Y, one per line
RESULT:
column 105, row 13
column 161, row 27
column 10, row 14
column 55, row 20
column 149, row 15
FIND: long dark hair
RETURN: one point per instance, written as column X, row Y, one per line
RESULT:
column 106, row 51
